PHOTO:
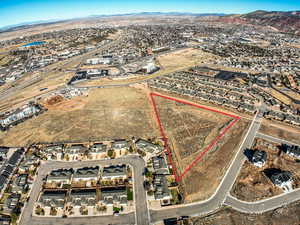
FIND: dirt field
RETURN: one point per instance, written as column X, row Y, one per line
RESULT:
column 187, row 57
column 189, row 131
column 288, row 215
column 104, row 114
column 252, row 184
column 203, row 179
column 278, row 130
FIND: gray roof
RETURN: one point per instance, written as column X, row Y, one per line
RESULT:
column 97, row 148
column 148, row 146
column 115, row 170
column 76, row 149
column 53, row 198
column 120, row 144
column 161, row 187
column 87, row 172
column 281, row 177
column 83, row 197
column 60, row 174
column 160, row 166
column 111, row 195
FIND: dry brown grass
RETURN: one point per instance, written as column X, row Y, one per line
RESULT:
column 104, row 114
column 281, row 97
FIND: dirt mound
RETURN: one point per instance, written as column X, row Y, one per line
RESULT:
column 54, row 100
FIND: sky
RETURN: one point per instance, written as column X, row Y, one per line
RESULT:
column 19, row 11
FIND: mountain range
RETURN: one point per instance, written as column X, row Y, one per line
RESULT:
column 282, row 21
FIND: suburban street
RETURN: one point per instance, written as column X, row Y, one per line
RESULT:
column 141, row 216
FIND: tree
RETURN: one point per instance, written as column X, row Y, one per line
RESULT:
column 111, row 153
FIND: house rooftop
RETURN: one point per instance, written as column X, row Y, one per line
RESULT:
column 87, row 172
column 115, row 170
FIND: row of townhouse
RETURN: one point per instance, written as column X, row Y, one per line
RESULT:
column 21, row 114
column 113, row 196
column 87, row 187
column 97, row 150
column 87, row 176
column 191, row 85
column 282, row 116
column 9, row 166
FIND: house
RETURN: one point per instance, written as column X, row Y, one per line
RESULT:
column 80, row 198
column 3, row 181
column 20, row 183
column 114, row 172
column 292, row 150
column 160, row 165
column 161, row 190
column 3, row 151
column 53, row 152
column 148, row 147
column 259, row 158
column 75, row 152
column 283, row 179
column 119, row 145
column 16, row 157
column 88, row 175
column 19, row 115
column 114, row 196
column 5, row 220
column 11, row 202
column 97, row 151
column 52, row 199
column 61, row 176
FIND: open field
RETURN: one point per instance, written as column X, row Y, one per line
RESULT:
column 204, row 178
column 187, row 57
column 280, row 131
column 252, row 184
column 190, row 131
column 104, row 114
column 287, row 215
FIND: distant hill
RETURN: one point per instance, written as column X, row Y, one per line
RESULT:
column 282, row 21
column 25, row 25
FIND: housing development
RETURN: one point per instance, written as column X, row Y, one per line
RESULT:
column 150, row 119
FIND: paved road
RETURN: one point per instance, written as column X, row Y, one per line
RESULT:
column 141, row 214
column 214, row 202
column 263, row 205
column 274, row 139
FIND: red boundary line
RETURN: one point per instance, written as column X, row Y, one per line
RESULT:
column 201, row 154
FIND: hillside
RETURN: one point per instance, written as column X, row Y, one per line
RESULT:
column 282, row 21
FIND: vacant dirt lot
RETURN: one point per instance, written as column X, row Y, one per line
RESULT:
column 288, row 215
column 189, row 131
column 105, row 113
column 204, row 178
column 252, row 184
column 187, row 57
